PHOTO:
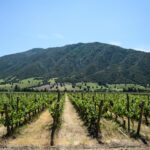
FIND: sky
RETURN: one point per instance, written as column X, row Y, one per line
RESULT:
column 27, row 24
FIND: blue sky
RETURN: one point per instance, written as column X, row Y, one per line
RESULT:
column 26, row 24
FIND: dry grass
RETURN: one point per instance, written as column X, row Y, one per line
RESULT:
column 145, row 130
column 111, row 132
column 35, row 133
column 3, row 131
column 72, row 131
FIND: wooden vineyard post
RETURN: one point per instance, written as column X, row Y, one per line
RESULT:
column 93, row 99
column 38, row 109
column 94, row 102
column 17, row 104
column 146, row 115
column 7, row 119
column 104, row 96
column 128, row 106
column 42, row 106
column 124, row 123
column 55, row 120
column 140, row 118
column 29, row 115
column 98, row 121
column 82, row 95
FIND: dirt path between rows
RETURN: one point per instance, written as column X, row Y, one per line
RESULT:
column 36, row 133
column 3, row 131
column 72, row 131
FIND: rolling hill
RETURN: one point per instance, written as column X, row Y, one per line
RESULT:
column 96, row 62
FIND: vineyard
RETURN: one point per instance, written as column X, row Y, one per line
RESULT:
column 17, row 109
column 125, row 109
column 130, row 113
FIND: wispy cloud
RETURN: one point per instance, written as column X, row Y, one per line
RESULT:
column 115, row 43
column 58, row 36
column 142, row 49
column 42, row 36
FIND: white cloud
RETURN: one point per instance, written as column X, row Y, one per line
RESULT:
column 58, row 36
column 115, row 43
column 42, row 36
column 142, row 49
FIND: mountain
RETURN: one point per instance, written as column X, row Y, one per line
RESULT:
column 96, row 62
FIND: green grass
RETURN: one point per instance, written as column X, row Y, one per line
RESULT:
column 31, row 81
column 120, row 87
column 1, row 80
column 69, row 87
column 52, row 80
column 6, row 86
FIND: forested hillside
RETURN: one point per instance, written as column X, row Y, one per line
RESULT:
column 96, row 62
